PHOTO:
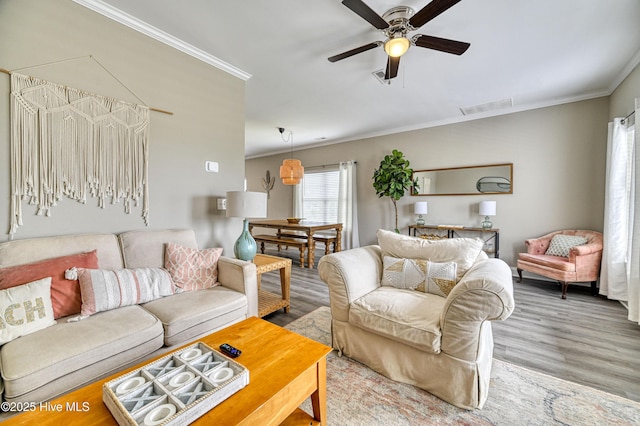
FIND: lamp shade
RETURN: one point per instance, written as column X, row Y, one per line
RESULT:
column 487, row 208
column 420, row 207
column 291, row 171
column 246, row 204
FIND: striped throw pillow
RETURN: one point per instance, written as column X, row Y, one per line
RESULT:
column 102, row 290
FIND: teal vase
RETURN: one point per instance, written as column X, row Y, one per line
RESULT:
column 245, row 247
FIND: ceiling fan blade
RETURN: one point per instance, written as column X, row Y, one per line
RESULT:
column 430, row 11
column 392, row 67
column 355, row 51
column 441, row 44
column 366, row 13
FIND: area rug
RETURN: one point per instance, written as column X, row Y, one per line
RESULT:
column 356, row 395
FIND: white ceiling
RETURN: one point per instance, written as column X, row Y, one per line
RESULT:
column 537, row 53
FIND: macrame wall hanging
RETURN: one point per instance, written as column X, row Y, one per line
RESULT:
column 67, row 142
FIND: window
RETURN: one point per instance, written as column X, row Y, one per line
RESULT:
column 320, row 196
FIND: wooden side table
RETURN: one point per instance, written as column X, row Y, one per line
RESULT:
column 269, row 302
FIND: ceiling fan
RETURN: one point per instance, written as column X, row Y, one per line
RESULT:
column 395, row 24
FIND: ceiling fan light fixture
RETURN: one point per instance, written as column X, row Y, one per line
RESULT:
column 396, row 47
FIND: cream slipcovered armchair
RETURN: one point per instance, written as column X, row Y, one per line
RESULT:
column 565, row 256
column 388, row 316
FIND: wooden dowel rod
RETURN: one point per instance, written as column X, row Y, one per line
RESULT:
column 160, row 110
column 150, row 108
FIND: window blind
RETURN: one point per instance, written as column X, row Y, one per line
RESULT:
column 320, row 196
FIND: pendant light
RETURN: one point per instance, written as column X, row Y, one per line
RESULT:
column 291, row 170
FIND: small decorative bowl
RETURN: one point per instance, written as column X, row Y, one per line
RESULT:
column 294, row 219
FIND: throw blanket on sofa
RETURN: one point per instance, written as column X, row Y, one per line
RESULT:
column 67, row 142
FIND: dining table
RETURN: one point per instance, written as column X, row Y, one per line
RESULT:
column 306, row 227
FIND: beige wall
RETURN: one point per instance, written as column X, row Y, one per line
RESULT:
column 559, row 162
column 207, row 124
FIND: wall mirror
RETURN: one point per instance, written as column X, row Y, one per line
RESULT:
column 472, row 180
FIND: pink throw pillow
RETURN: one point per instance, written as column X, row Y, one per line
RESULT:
column 65, row 294
column 192, row 269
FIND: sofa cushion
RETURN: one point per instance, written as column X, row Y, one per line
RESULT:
column 463, row 251
column 145, row 249
column 65, row 294
column 188, row 315
column 103, row 290
column 555, row 262
column 406, row 316
column 25, row 309
column 192, row 269
column 561, row 244
column 67, row 353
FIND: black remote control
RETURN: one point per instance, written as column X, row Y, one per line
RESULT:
column 230, row 350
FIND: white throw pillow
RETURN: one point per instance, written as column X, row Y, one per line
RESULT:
column 440, row 278
column 403, row 273
column 25, row 309
column 462, row 251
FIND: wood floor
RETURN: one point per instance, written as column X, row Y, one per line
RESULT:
column 583, row 339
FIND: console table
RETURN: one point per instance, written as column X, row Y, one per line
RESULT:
column 491, row 237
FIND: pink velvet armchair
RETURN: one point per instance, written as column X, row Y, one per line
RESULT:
column 581, row 265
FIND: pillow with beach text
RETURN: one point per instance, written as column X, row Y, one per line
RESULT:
column 25, row 309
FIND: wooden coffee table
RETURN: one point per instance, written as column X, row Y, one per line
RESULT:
column 284, row 370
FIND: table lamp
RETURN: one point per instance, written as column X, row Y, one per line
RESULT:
column 487, row 208
column 246, row 205
column 420, row 208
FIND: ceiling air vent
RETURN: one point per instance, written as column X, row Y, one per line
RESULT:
column 489, row 106
column 379, row 75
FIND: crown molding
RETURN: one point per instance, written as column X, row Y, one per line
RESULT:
column 117, row 15
column 437, row 123
column 626, row 70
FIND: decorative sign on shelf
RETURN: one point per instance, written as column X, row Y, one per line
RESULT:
column 67, row 142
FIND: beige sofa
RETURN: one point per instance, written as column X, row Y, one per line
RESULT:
column 441, row 344
column 50, row 362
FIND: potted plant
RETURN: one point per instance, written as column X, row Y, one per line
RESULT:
column 393, row 178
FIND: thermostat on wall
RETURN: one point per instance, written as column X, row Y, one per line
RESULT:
column 211, row 166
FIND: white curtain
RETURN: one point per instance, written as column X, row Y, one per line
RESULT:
column 613, row 276
column 297, row 199
column 348, row 205
column 634, row 252
column 620, row 275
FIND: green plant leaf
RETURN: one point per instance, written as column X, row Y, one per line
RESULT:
column 393, row 178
